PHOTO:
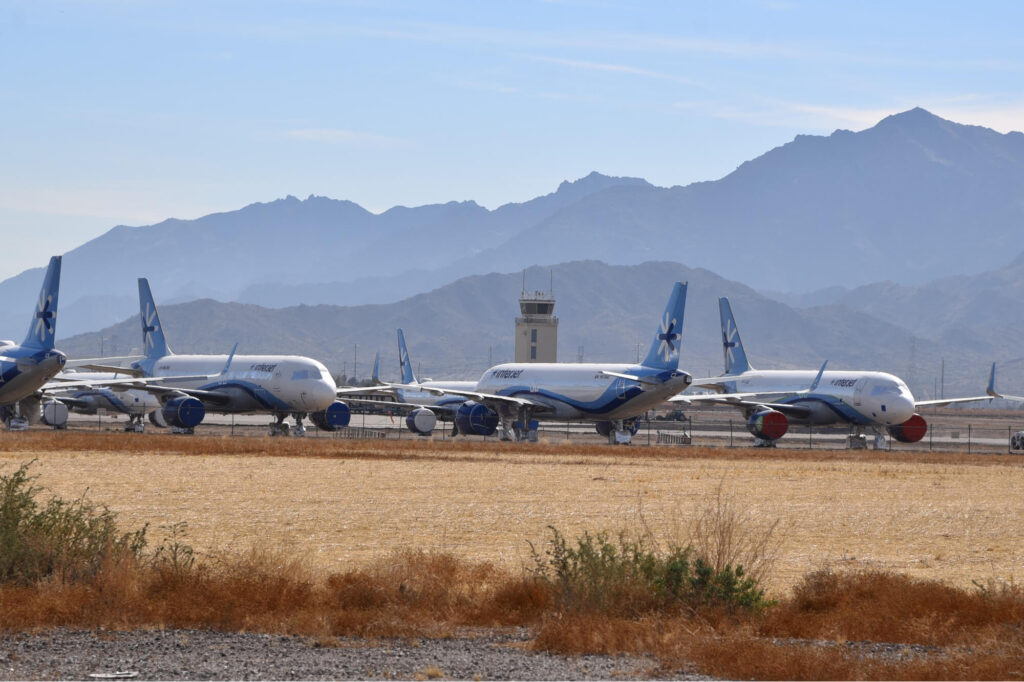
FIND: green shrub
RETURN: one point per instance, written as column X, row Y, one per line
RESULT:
column 629, row 577
column 62, row 539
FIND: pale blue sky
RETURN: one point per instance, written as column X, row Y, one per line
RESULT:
column 128, row 111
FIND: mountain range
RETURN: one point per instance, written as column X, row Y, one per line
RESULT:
column 606, row 313
column 909, row 200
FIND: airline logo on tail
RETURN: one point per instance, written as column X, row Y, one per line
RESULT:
column 149, row 320
column 43, row 325
column 732, row 345
column 664, row 350
column 668, row 337
column 45, row 317
column 729, row 334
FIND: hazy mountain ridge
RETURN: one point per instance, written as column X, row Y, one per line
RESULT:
column 911, row 199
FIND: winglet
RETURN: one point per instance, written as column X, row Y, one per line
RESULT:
column 817, row 379
column 230, row 358
column 43, row 326
column 375, row 377
column 992, row 383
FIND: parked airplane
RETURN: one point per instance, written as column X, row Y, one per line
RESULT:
column 415, row 394
column 25, row 368
column 772, row 399
column 90, row 392
column 612, row 395
column 190, row 385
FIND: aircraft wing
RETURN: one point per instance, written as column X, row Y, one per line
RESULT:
column 746, row 401
column 113, row 369
column 403, row 407
column 107, row 363
column 346, row 390
column 753, row 400
column 472, row 395
column 151, row 385
column 648, row 381
column 951, row 401
column 990, row 393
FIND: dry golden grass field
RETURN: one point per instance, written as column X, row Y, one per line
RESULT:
column 340, row 504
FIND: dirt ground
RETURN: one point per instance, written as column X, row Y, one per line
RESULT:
column 338, row 504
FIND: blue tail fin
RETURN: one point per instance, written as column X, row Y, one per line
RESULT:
column 403, row 361
column 732, row 345
column 664, row 353
column 154, row 345
column 43, row 326
column 375, row 377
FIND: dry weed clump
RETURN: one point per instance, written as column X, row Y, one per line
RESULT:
column 887, row 607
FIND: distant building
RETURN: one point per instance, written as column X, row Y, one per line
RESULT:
column 537, row 329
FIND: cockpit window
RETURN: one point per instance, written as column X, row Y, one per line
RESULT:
column 885, row 390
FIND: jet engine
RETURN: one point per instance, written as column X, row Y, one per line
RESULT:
column 911, row 430
column 421, row 421
column 55, row 413
column 336, row 416
column 476, row 418
column 767, row 423
column 183, row 412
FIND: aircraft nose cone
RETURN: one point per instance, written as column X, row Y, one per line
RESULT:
column 320, row 395
column 902, row 409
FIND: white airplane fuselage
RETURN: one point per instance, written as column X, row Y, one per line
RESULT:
column 112, row 399
column 857, row 397
column 582, row 391
column 253, row 383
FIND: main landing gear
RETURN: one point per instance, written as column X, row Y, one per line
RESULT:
column 518, row 426
column 281, row 428
column 135, row 424
column 859, row 441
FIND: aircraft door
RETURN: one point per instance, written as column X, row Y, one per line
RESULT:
column 620, row 389
column 858, row 391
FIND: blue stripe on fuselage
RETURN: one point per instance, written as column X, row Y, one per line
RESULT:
column 260, row 394
column 844, row 412
column 609, row 400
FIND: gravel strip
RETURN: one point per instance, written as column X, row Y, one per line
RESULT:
column 208, row 655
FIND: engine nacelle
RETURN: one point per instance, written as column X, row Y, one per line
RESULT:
column 603, row 428
column 184, row 412
column 55, row 413
column 85, row 404
column 767, row 423
column 336, row 416
column 911, row 430
column 421, row 421
column 476, row 418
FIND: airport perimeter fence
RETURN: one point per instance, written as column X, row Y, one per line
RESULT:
column 990, row 435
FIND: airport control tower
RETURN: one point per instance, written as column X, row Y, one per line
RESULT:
column 537, row 329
